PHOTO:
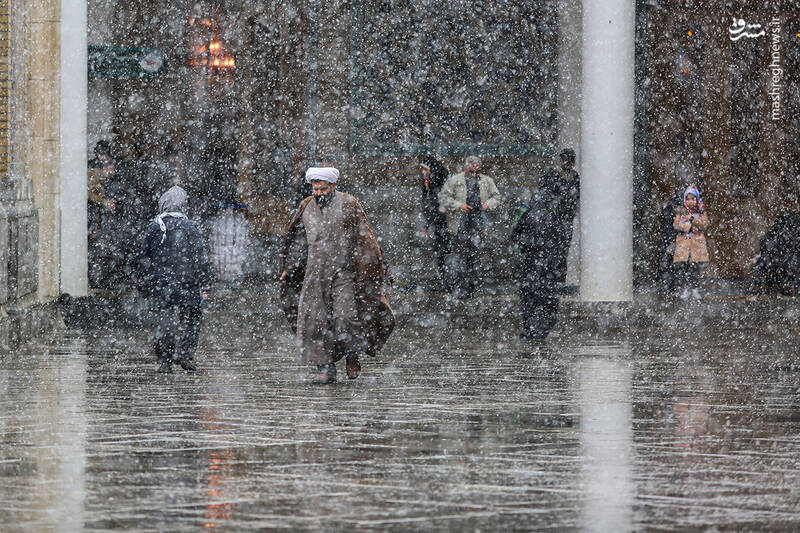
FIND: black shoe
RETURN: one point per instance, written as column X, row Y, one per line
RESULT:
column 353, row 367
column 187, row 365
column 165, row 367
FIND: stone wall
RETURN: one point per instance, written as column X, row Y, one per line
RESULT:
column 22, row 315
column 42, row 93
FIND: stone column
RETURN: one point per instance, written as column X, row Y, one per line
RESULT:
column 607, row 150
column 73, row 186
column 41, row 161
column 569, row 107
column 19, row 223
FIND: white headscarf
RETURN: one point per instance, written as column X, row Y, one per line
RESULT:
column 171, row 204
column 329, row 174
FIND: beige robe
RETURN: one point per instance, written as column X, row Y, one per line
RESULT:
column 333, row 292
column 326, row 312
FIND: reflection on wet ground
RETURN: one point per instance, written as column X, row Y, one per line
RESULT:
column 449, row 430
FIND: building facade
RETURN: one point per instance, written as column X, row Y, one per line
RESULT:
column 248, row 94
column 720, row 97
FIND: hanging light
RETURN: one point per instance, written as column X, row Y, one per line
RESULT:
column 214, row 52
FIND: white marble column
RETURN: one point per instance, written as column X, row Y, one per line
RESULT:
column 73, row 186
column 607, row 150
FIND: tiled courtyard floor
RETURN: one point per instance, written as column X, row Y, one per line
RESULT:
column 450, row 429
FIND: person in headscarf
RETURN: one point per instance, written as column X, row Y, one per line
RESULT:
column 173, row 271
column 691, row 253
column 332, row 275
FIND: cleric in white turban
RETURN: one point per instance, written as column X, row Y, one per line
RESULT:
column 332, row 275
column 329, row 174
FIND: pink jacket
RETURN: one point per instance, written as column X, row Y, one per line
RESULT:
column 690, row 244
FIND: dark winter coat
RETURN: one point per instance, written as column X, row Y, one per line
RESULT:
column 176, row 271
column 430, row 194
column 778, row 264
column 559, row 190
column 133, row 203
column 668, row 231
column 538, row 235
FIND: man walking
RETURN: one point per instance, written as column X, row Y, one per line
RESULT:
column 467, row 197
column 175, row 274
column 544, row 234
column 332, row 275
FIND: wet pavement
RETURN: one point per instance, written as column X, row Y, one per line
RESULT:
column 457, row 426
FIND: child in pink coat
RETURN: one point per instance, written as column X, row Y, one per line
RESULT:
column 691, row 252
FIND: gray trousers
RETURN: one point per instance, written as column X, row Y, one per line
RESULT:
column 177, row 321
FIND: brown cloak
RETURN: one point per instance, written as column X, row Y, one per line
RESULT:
column 372, row 306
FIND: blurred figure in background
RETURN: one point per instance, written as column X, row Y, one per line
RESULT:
column 544, row 234
column 778, row 263
column 229, row 241
column 666, row 272
column 434, row 175
column 173, row 271
column 563, row 184
column 122, row 215
column 100, row 168
column 467, row 197
column 691, row 253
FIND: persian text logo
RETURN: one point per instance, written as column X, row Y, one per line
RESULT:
column 775, row 68
column 740, row 29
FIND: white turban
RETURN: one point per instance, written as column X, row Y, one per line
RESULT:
column 328, row 174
